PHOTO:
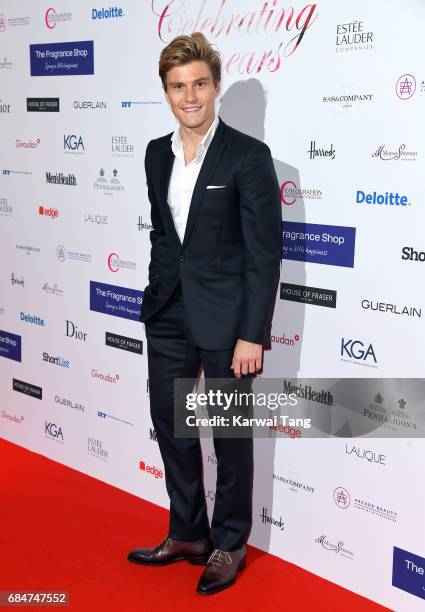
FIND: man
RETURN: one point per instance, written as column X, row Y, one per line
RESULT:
column 213, row 276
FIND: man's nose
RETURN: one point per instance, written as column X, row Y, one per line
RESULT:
column 190, row 94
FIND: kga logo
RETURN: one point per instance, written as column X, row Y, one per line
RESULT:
column 151, row 469
column 73, row 143
column 356, row 349
column 52, row 430
column 72, row 331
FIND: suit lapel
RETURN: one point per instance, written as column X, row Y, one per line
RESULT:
column 212, row 156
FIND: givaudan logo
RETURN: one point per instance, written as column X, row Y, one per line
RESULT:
column 106, row 377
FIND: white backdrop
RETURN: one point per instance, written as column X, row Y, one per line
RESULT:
column 337, row 91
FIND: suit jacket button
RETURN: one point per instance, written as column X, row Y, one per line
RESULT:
column 182, row 258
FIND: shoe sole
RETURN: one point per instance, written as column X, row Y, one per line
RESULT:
column 223, row 587
column 192, row 560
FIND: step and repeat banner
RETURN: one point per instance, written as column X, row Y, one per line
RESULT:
column 337, row 91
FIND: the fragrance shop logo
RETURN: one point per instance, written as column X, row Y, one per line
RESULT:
column 109, row 184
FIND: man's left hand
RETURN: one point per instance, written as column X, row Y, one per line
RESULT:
column 247, row 358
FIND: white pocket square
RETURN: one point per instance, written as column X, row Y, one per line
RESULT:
column 215, row 186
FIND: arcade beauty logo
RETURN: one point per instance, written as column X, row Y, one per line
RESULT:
column 283, row 25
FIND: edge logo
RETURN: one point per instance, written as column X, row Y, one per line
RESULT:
column 151, row 469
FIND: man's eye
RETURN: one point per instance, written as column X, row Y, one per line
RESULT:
column 201, row 83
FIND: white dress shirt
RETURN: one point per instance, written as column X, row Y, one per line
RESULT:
column 184, row 176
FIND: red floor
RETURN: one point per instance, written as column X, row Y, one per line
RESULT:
column 63, row 530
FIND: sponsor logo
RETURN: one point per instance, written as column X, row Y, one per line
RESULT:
column 106, row 415
column 27, row 389
column 122, row 342
column 4, row 108
column 348, row 100
column 34, row 319
column 141, row 225
column 405, row 87
column 5, row 209
column 58, row 361
column 294, row 485
column 53, row 213
column 117, row 301
column 287, row 430
column 52, row 431
column 12, row 417
column 343, row 500
column 387, row 199
column 65, row 58
column 95, row 449
column 130, row 103
column 8, row 172
column 59, row 178
column 115, row 263
column 63, row 254
column 10, row 346
column 336, row 547
column 73, row 144
column 358, row 352
column 96, row 218
column 52, row 289
column 112, row 12
column 51, row 18
column 28, row 250
column 283, row 339
column 409, row 311
column 17, row 281
column 89, row 105
column 409, row 572
column 411, row 254
column 307, row 392
column 400, row 153
column 151, row 469
column 5, row 64
column 108, row 187
column 352, row 37
column 11, row 22
column 69, row 403
column 42, row 105
column 212, row 458
column 72, row 331
column 269, row 520
column 332, row 245
column 106, row 377
column 27, row 144
column 308, row 295
column 152, row 434
column 290, row 193
column 315, row 151
column 121, row 147
column 367, row 455
column 390, row 415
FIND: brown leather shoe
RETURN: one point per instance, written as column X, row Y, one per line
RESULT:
column 169, row 551
column 221, row 571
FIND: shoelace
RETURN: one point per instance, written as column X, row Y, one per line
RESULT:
column 218, row 557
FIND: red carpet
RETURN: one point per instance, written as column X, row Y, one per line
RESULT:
column 63, row 530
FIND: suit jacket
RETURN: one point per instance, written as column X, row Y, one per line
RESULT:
column 229, row 261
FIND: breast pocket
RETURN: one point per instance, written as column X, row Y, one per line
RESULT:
column 220, row 192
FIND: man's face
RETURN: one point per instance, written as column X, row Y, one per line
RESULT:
column 191, row 93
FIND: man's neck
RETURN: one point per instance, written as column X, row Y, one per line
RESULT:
column 192, row 136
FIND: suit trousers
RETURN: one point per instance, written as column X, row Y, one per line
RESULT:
column 172, row 353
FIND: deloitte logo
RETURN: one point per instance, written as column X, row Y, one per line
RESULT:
column 112, row 12
column 34, row 319
column 387, row 199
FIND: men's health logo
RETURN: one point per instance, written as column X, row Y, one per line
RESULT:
column 409, row 572
column 384, row 199
column 332, row 245
column 62, row 59
column 117, row 301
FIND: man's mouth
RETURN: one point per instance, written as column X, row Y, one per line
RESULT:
column 191, row 109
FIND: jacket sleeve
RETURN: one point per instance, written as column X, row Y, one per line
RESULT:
column 261, row 220
column 157, row 234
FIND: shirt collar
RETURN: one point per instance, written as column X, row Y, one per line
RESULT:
column 177, row 144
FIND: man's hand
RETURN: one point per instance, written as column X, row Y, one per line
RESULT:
column 247, row 358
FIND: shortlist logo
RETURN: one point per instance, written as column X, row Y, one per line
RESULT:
column 387, row 199
column 33, row 319
column 410, row 254
column 53, row 213
column 51, row 18
column 113, row 12
column 151, row 469
column 27, row 144
column 73, row 144
column 57, row 361
column 42, row 105
column 59, row 178
column 321, row 152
